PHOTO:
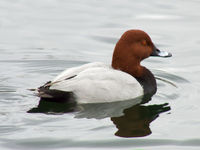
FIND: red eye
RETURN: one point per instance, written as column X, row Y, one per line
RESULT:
column 144, row 42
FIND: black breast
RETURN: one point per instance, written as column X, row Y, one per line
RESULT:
column 148, row 83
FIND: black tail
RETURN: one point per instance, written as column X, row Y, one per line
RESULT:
column 45, row 93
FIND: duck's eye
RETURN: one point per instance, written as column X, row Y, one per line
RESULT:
column 144, row 42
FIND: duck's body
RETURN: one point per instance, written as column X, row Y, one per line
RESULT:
column 98, row 82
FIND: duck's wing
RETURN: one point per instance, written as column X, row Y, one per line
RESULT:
column 47, row 93
column 71, row 72
column 100, row 84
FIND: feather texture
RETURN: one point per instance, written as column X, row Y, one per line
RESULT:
column 96, row 83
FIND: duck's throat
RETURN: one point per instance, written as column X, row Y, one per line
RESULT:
column 134, row 69
column 148, row 81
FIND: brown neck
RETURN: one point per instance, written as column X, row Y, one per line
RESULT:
column 129, row 65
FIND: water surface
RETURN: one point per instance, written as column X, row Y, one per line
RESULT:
column 39, row 39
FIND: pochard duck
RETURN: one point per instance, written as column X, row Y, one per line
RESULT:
column 97, row 82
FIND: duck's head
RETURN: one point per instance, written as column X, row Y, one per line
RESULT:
column 131, row 49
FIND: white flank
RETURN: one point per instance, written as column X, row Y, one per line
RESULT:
column 98, row 83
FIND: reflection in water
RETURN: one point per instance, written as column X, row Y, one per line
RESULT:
column 136, row 120
column 131, row 118
column 45, row 106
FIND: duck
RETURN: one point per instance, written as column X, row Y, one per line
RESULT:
column 97, row 82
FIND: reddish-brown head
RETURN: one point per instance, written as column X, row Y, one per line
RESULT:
column 132, row 47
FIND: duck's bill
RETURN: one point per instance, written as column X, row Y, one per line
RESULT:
column 159, row 53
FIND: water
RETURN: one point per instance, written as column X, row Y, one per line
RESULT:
column 39, row 39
